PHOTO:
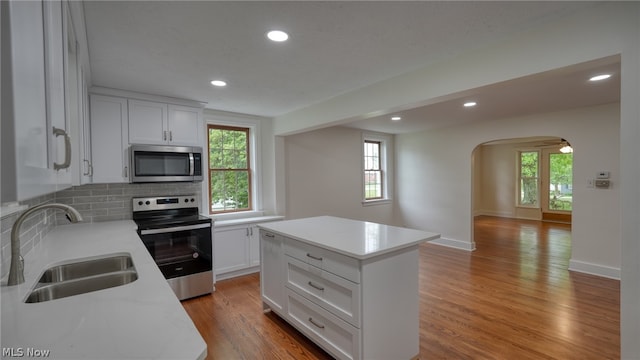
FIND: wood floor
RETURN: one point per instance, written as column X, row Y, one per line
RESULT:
column 512, row 298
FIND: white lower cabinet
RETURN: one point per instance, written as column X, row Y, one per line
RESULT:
column 272, row 274
column 327, row 330
column 236, row 249
column 352, row 308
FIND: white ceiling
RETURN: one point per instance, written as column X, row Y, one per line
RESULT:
column 174, row 48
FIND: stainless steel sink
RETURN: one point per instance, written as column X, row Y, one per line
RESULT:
column 83, row 276
column 84, row 268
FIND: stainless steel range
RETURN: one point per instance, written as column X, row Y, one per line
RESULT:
column 179, row 240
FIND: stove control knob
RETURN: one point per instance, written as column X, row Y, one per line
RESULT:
column 139, row 202
column 186, row 200
column 148, row 202
column 193, row 200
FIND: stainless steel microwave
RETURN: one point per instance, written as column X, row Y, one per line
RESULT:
column 159, row 163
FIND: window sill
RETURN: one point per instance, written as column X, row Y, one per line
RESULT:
column 376, row 202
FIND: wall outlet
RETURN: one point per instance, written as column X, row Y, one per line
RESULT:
column 603, row 175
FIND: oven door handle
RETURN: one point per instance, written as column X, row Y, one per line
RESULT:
column 174, row 229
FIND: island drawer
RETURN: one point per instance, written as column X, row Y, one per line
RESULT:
column 337, row 295
column 338, row 264
column 336, row 336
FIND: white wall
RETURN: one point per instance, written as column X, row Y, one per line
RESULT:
column 443, row 203
column 324, row 176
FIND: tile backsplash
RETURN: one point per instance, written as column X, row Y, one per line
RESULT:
column 95, row 202
column 106, row 202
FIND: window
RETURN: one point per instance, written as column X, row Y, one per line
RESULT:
column 229, row 169
column 373, row 176
column 528, row 178
column 377, row 168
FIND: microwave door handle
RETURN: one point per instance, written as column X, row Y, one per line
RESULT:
column 191, row 164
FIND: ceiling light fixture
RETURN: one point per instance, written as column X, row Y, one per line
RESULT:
column 600, row 77
column 566, row 147
column 396, row 118
column 470, row 104
column 218, row 83
column 277, row 35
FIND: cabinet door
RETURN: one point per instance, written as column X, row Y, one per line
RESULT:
column 230, row 250
column 57, row 114
column 27, row 172
column 108, row 134
column 272, row 274
column 184, row 125
column 254, row 245
column 148, row 122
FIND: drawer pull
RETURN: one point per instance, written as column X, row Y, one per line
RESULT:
column 315, row 323
column 314, row 257
column 269, row 235
column 316, row 286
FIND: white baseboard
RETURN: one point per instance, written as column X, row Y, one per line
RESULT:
column 457, row 244
column 594, row 269
column 232, row 274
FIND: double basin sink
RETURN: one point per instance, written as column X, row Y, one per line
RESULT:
column 82, row 276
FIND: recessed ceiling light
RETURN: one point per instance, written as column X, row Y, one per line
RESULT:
column 600, row 77
column 277, row 35
column 218, row 83
column 396, row 118
column 470, row 104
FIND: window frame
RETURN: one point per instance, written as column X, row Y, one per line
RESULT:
column 386, row 167
column 519, row 178
column 375, row 169
column 212, row 117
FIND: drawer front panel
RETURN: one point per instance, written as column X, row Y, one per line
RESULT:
column 331, row 333
column 335, row 294
column 341, row 265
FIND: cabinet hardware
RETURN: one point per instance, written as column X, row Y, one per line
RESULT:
column 269, row 235
column 164, row 135
column 247, row 232
column 314, row 257
column 316, row 286
column 89, row 168
column 170, row 135
column 315, row 323
column 251, row 230
column 67, row 149
column 126, row 171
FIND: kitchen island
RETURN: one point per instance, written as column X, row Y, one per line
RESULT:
column 350, row 286
column 142, row 319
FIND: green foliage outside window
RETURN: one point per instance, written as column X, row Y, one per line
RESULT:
column 229, row 169
column 529, row 178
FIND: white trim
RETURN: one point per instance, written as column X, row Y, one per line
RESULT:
column 453, row 243
column 594, row 269
column 147, row 97
column 255, row 135
column 376, row 202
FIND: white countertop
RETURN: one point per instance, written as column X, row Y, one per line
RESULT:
column 358, row 239
column 140, row 320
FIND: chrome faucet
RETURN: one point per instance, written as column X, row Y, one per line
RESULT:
column 16, row 271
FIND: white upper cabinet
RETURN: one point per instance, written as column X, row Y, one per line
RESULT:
column 27, row 134
column 37, row 147
column 109, row 139
column 164, row 124
column 184, row 125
